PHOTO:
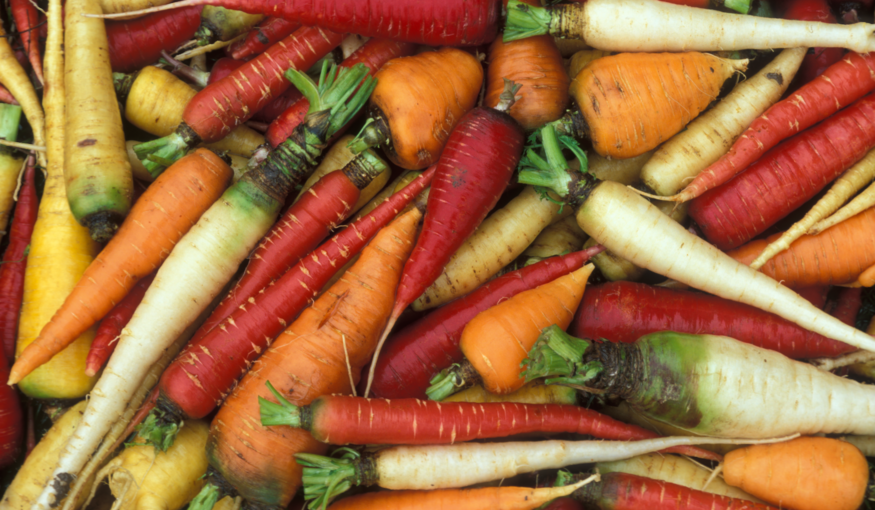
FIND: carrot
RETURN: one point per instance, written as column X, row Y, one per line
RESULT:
column 648, row 25
column 818, row 59
column 374, row 54
column 10, row 163
column 583, row 57
column 460, row 465
column 418, row 102
column 136, row 43
column 499, row 240
column 620, row 113
column 127, row 9
column 321, row 352
column 836, row 256
column 843, row 83
column 849, row 183
column 806, row 473
column 165, row 212
column 422, row 349
column 7, row 97
column 111, row 326
column 98, row 175
column 711, row 134
column 536, row 65
column 535, row 392
column 623, row 312
column 214, row 111
column 799, row 167
column 11, row 421
column 155, row 100
column 506, row 498
column 449, row 23
column 498, row 339
column 14, row 262
column 711, row 383
column 25, row 15
column 467, row 185
column 637, row 231
column 622, row 491
column 220, row 24
column 261, row 37
column 559, row 238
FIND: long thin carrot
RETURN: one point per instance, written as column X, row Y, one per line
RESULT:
column 806, row 473
column 269, row 31
column 25, row 14
column 499, row 338
column 165, row 212
column 860, row 203
column 322, row 352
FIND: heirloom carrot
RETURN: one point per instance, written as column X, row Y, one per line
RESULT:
column 11, row 163
column 25, row 15
column 261, row 37
column 139, row 42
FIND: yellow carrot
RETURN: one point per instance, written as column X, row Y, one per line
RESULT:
column 13, row 77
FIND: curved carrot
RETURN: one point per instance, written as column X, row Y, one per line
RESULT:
column 164, row 213
column 505, row 498
column 262, row 36
column 806, row 473
column 26, row 20
column 138, row 42
column 322, row 352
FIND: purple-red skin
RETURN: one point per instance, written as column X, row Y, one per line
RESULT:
column 261, row 37
column 439, row 23
column 818, row 59
column 26, row 18
column 15, row 262
column 413, row 355
column 11, row 420
column 273, row 109
column 139, row 42
column 474, row 169
column 848, row 304
column 626, row 311
column 785, row 177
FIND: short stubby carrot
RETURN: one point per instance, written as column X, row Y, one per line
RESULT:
column 164, row 213
column 322, row 352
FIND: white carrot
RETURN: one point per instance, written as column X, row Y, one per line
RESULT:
column 650, row 25
column 562, row 237
column 860, row 203
column 711, row 134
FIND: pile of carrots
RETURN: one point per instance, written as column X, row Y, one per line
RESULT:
column 474, row 254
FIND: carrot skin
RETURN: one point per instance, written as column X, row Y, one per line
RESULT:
column 413, row 355
column 818, row 60
column 225, row 66
column 15, row 262
column 626, row 311
column 261, row 37
column 6, row 96
column 848, row 306
column 110, row 328
column 466, row 186
column 373, row 54
column 138, row 42
column 622, row 491
column 841, row 84
column 214, row 111
column 193, row 385
column 11, row 420
column 504, row 498
column 26, row 18
column 799, row 167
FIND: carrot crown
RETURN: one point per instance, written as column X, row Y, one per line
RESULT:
column 452, row 380
column 325, row 478
column 552, row 173
column 524, row 20
column 282, row 413
column 558, row 357
column 157, row 431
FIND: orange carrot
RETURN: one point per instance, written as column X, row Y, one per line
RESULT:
column 836, row 256
column 631, row 102
column 498, row 339
column 322, row 352
column 806, row 473
column 164, row 213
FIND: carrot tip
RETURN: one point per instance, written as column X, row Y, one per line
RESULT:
column 673, row 198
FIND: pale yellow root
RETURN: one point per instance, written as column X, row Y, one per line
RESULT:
column 677, row 470
column 10, row 168
column 37, row 469
column 15, row 79
column 120, row 6
column 157, row 100
column 568, row 47
column 830, row 364
column 849, row 183
column 144, row 478
column 710, row 135
column 500, row 239
column 860, row 203
column 535, row 392
column 561, row 237
column 625, row 171
column 335, row 159
column 613, row 267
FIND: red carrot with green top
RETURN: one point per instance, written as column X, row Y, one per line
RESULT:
column 214, row 111
column 786, row 177
column 139, row 42
column 261, row 37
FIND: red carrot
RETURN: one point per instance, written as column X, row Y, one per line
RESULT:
column 222, row 68
column 373, row 54
column 206, row 370
column 817, row 60
column 11, row 420
column 416, row 353
column 626, row 311
column 815, row 295
column 467, row 185
column 844, row 82
column 444, row 23
column 341, row 420
column 26, row 20
column 15, row 262
column 267, row 32
column 139, row 42
column 622, row 491
column 785, row 177
column 111, row 326
column 6, row 96
column 847, row 306
column 214, row 111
